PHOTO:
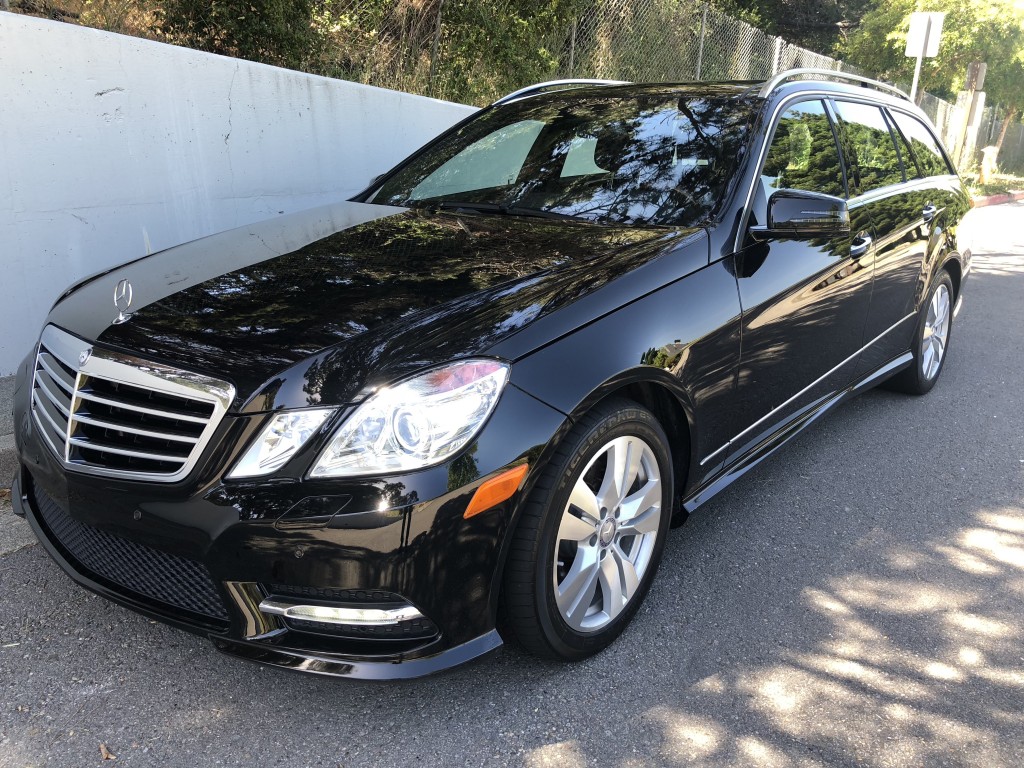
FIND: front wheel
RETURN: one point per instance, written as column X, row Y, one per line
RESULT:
column 931, row 340
column 591, row 535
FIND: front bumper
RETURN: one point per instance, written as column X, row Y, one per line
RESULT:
column 201, row 556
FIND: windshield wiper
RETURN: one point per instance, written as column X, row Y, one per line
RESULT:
column 501, row 208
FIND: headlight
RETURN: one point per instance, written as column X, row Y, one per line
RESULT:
column 417, row 423
column 280, row 440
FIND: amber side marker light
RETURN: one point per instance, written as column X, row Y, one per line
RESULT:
column 496, row 490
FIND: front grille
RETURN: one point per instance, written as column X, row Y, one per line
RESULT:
column 172, row 580
column 107, row 413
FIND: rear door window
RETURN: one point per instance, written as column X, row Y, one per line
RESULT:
column 925, row 147
column 869, row 140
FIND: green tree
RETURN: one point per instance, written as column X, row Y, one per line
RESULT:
column 974, row 30
column 819, row 26
column 279, row 32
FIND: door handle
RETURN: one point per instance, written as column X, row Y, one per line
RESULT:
column 929, row 212
column 860, row 246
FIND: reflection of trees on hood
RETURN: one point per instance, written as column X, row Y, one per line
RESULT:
column 406, row 286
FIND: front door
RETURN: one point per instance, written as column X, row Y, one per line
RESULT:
column 805, row 301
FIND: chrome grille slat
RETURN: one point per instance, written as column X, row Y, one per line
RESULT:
column 52, row 369
column 151, row 411
column 59, row 434
column 106, row 413
column 95, row 445
column 61, row 400
column 80, row 419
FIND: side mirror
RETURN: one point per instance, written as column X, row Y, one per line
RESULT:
column 794, row 213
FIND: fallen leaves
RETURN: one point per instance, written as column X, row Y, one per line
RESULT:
column 106, row 754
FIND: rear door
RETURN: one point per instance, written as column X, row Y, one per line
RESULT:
column 936, row 202
column 897, row 210
column 804, row 301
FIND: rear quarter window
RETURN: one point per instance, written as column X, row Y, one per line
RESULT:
column 923, row 144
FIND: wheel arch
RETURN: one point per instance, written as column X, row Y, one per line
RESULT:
column 660, row 393
column 956, row 272
column 654, row 389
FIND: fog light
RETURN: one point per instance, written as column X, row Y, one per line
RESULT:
column 328, row 614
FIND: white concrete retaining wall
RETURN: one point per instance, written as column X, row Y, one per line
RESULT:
column 112, row 147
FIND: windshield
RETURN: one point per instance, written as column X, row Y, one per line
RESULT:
column 651, row 160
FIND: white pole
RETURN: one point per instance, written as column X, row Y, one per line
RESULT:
column 920, row 57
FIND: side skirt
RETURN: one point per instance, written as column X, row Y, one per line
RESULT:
column 786, row 431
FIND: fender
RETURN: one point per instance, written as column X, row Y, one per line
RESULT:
column 684, row 337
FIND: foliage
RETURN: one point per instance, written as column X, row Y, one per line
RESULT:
column 279, row 32
column 991, row 31
column 491, row 48
column 999, row 186
column 819, row 26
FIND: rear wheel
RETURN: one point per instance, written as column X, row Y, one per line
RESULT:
column 591, row 535
column 931, row 340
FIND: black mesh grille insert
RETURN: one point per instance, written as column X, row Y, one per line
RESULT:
column 407, row 630
column 338, row 595
column 170, row 579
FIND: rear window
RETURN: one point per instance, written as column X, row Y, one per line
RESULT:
column 925, row 148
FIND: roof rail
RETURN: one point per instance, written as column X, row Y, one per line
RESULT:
column 793, row 74
column 554, row 85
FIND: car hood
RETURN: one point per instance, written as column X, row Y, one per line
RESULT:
column 320, row 306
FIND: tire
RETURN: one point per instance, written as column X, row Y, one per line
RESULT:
column 931, row 340
column 575, row 574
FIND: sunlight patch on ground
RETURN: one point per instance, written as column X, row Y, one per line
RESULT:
column 760, row 753
column 898, row 595
column 1001, row 546
column 686, row 736
column 997, row 264
column 563, row 754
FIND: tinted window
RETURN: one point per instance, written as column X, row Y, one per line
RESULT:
column 910, row 167
column 803, row 153
column 870, row 142
column 493, row 161
column 645, row 160
column 926, row 149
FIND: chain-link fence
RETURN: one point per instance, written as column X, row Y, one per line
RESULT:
column 477, row 52
column 668, row 40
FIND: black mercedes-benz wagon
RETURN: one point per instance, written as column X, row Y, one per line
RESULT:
column 360, row 439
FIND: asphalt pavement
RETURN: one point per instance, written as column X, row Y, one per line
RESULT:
column 856, row 600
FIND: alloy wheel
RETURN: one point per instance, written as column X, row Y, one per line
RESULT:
column 936, row 333
column 607, row 534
